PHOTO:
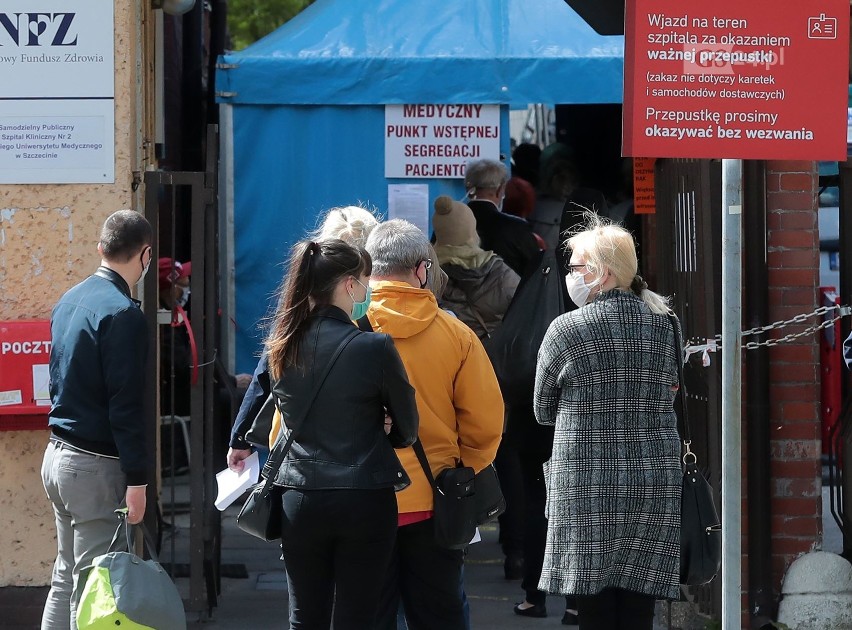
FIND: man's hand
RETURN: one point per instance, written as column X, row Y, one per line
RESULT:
column 243, row 380
column 136, row 501
column 236, row 457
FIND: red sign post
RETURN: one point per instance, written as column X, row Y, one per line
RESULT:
column 732, row 79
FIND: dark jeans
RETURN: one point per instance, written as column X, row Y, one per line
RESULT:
column 508, row 466
column 337, row 544
column 616, row 609
column 427, row 578
column 535, row 526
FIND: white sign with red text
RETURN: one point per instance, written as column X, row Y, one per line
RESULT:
column 437, row 141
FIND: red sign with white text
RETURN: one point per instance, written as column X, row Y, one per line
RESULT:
column 24, row 376
column 733, row 79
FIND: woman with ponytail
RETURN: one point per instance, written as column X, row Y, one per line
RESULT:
column 606, row 379
column 339, row 476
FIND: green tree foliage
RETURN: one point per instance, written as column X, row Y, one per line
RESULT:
column 249, row 20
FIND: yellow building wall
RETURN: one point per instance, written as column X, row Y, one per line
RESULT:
column 48, row 243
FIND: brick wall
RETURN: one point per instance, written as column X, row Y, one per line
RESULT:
column 793, row 242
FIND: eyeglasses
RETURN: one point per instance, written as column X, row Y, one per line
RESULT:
column 575, row 268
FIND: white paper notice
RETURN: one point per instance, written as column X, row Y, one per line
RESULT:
column 11, row 397
column 232, row 485
column 477, row 537
column 41, row 382
column 410, row 202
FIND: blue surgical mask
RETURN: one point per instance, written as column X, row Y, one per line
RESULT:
column 359, row 309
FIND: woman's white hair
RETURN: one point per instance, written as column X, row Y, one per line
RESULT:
column 608, row 246
column 352, row 224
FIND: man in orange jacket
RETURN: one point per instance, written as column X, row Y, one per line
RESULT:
column 461, row 420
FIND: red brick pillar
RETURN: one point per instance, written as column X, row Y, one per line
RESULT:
column 793, row 243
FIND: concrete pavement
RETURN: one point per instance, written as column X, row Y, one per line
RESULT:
column 260, row 600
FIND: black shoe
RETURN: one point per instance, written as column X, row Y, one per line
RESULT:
column 536, row 610
column 570, row 619
column 513, row 567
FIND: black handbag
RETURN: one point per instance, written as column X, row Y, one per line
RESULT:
column 462, row 500
column 490, row 502
column 454, row 506
column 261, row 514
column 513, row 346
column 700, row 528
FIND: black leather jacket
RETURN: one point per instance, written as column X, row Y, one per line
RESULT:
column 341, row 441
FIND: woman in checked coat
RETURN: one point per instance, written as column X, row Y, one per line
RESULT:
column 607, row 377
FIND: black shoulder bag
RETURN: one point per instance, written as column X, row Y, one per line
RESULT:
column 261, row 514
column 454, row 505
column 700, row 528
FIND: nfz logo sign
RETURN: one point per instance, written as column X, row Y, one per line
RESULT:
column 37, row 29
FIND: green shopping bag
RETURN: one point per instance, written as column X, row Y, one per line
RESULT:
column 121, row 590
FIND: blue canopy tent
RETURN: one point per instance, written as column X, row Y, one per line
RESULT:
column 305, row 106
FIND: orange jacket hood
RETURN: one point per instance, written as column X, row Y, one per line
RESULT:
column 401, row 310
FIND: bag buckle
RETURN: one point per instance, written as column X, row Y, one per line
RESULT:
column 689, row 452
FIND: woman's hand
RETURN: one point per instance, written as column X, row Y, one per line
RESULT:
column 236, row 457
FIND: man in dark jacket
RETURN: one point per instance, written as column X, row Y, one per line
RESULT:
column 96, row 458
column 513, row 240
column 509, row 237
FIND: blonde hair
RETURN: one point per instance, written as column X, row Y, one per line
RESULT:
column 352, row 224
column 607, row 246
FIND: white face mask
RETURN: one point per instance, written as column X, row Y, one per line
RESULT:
column 144, row 271
column 183, row 298
column 578, row 290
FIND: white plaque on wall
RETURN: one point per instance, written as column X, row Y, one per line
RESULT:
column 57, row 94
column 437, row 141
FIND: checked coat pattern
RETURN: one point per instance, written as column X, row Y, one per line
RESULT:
column 604, row 379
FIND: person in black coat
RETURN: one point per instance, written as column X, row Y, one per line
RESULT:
column 338, row 478
column 509, row 237
column 512, row 239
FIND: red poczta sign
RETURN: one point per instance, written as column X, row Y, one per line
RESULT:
column 24, row 379
column 733, row 79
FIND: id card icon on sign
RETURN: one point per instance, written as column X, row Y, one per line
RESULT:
column 822, row 27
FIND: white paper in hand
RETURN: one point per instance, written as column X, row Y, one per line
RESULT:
column 232, row 484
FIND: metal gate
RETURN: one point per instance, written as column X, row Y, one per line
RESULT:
column 190, row 526
column 689, row 245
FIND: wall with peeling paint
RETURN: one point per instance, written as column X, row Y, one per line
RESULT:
column 48, row 243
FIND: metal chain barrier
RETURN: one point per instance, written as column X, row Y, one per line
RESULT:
column 712, row 344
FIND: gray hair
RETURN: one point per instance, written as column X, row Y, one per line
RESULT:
column 485, row 174
column 396, row 247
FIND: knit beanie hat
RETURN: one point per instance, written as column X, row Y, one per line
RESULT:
column 453, row 222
